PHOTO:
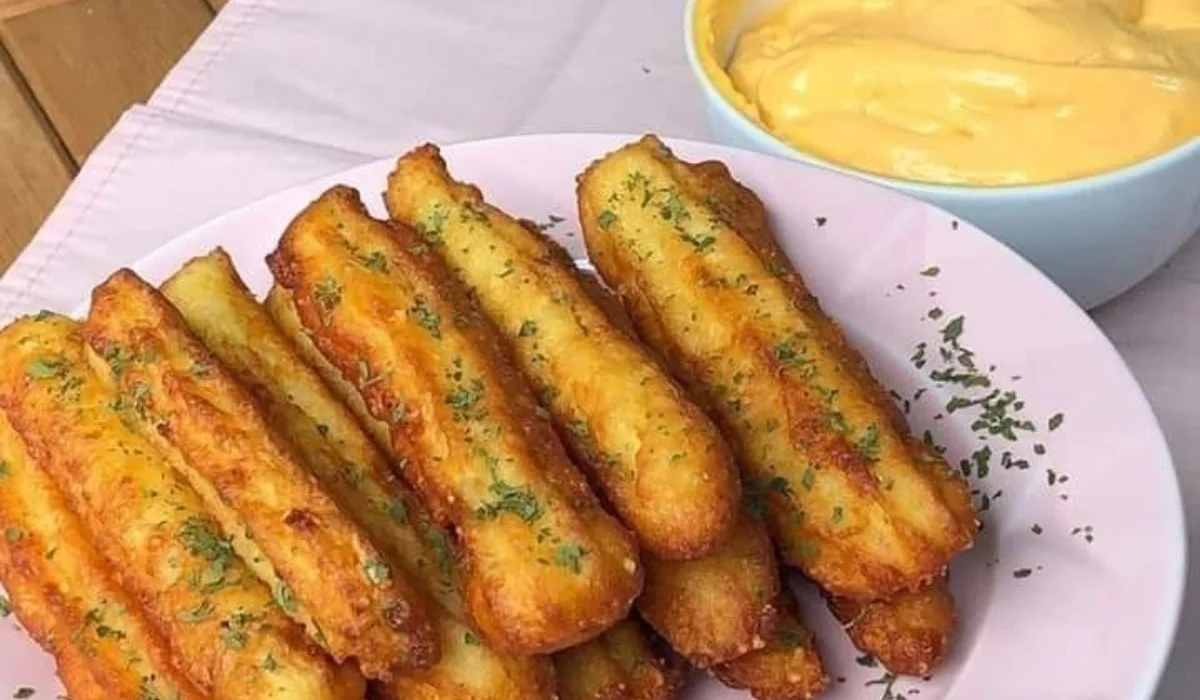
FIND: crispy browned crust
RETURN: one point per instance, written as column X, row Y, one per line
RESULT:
column 282, row 309
column 853, row 500
column 626, row 662
column 67, row 601
column 719, row 607
column 787, row 668
column 152, row 528
column 217, row 306
column 658, row 460
column 185, row 401
column 909, row 633
column 546, row 567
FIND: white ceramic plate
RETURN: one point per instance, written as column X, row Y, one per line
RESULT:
column 1074, row 587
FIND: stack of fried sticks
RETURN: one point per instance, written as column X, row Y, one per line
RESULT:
column 441, row 463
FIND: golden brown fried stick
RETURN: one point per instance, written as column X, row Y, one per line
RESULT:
column 224, row 629
column 856, row 502
column 546, row 567
column 738, row 203
column 787, row 668
column 623, row 663
column 62, row 593
column 296, row 537
column 717, row 608
column 659, row 461
column 909, row 633
column 217, row 306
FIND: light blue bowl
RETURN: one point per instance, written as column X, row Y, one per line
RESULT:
column 1095, row 236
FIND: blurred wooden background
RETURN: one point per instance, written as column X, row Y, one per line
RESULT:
column 68, row 69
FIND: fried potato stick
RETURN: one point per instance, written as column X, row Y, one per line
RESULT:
column 787, row 668
column 62, row 592
column 523, row 672
column 220, row 309
column 546, row 567
column 659, row 461
column 623, row 663
column 855, row 501
column 909, row 633
column 717, row 608
column 289, row 530
column 225, row 631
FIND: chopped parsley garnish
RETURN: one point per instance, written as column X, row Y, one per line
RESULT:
column 551, row 221
column 888, row 681
column 235, row 630
column 866, row 661
column 377, row 261
column 953, row 330
column 931, row 271
column 4, row 469
column 1056, row 421
column 46, row 368
column 440, row 542
column 1036, row 529
column 118, row 359
column 1022, row 573
column 5, row 607
column 755, row 494
column 789, row 355
column 606, row 219
column 377, row 572
column 24, row 692
column 868, row 443
column 285, row 598
column 702, row 244
column 791, row 639
column 200, row 613
column 269, row 663
column 12, row 534
column 396, row 510
column 570, row 556
column 464, row 400
column 519, row 501
column 471, row 640
column 808, row 479
column 431, row 226
column 528, row 329
column 200, row 537
column 94, row 619
column 328, row 294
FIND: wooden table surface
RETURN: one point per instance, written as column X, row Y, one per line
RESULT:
column 68, row 69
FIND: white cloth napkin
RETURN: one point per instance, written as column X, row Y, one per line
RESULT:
column 278, row 92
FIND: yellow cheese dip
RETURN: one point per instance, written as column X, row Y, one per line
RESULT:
column 987, row 92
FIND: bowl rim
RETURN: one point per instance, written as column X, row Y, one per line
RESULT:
column 763, row 138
